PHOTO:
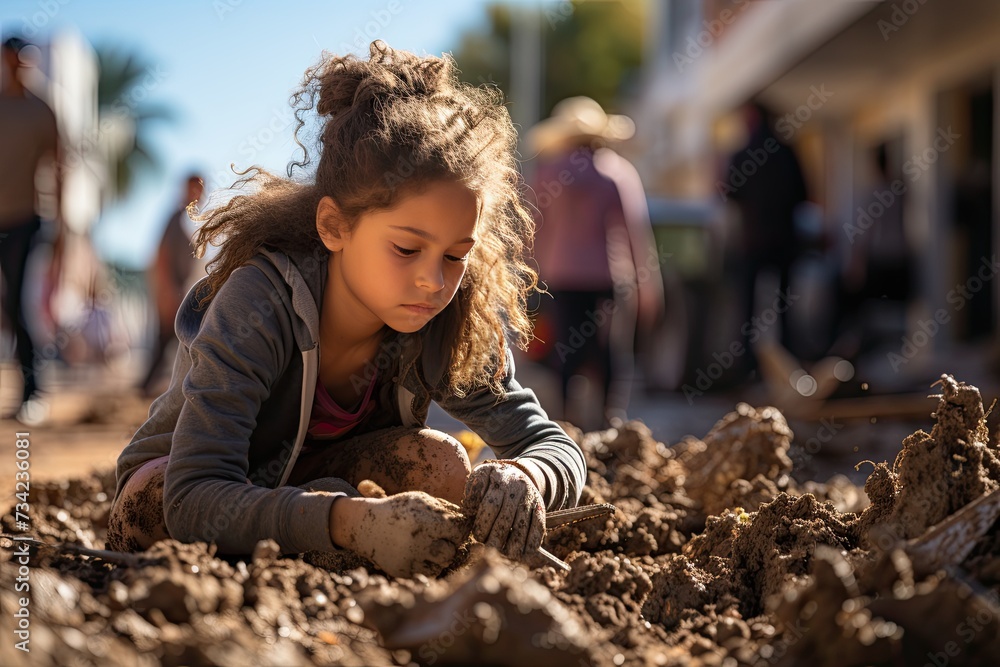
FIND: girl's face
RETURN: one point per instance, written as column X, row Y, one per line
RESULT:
column 403, row 265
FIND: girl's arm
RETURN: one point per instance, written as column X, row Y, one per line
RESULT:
column 227, row 370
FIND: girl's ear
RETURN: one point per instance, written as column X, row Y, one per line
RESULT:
column 330, row 224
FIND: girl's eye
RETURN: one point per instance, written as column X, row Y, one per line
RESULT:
column 406, row 252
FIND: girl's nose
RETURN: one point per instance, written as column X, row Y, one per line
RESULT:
column 431, row 277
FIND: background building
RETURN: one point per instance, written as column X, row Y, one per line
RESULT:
column 916, row 77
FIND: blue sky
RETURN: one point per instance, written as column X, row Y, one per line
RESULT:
column 228, row 68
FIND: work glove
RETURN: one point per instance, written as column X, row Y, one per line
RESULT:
column 409, row 533
column 507, row 510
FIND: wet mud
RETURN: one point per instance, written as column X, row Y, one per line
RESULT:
column 715, row 556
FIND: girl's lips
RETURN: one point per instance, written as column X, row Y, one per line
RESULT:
column 417, row 308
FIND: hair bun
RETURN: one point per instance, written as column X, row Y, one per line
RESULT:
column 346, row 82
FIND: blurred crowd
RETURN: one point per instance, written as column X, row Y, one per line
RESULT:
column 608, row 299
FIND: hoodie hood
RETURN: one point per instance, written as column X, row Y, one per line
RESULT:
column 305, row 275
column 299, row 278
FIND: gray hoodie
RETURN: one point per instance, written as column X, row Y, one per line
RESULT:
column 236, row 413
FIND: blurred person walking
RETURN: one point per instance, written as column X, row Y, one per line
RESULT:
column 880, row 263
column 170, row 277
column 972, row 203
column 595, row 251
column 29, row 141
column 765, row 181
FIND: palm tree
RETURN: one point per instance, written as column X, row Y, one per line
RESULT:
column 125, row 116
column 588, row 48
column 115, row 150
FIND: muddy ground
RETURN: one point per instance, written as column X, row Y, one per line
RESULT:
column 716, row 556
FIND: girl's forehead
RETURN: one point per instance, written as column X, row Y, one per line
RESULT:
column 441, row 211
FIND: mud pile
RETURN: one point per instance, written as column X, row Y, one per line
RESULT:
column 716, row 556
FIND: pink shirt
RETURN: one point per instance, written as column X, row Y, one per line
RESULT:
column 328, row 420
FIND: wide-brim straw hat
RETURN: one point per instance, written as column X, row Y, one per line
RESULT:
column 577, row 118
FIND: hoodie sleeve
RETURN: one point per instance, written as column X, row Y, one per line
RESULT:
column 234, row 360
column 516, row 426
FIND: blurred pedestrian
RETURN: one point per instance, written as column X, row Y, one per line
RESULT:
column 170, row 277
column 972, row 203
column 764, row 179
column 880, row 262
column 29, row 141
column 595, row 252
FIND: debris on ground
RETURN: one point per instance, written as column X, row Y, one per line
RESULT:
column 715, row 556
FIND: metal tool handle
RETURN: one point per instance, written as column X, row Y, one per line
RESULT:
column 554, row 560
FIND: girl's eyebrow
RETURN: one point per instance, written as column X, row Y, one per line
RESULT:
column 427, row 235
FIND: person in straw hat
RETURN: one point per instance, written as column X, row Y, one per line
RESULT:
column 595, row 251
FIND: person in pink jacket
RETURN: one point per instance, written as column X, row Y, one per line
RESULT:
column 595, row 251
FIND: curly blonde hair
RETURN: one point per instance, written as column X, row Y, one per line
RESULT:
column 388, row 126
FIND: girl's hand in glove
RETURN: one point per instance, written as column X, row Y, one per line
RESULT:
column 507, row 508
column 404, row 534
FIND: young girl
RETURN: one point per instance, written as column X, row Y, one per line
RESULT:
column 336, row 310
